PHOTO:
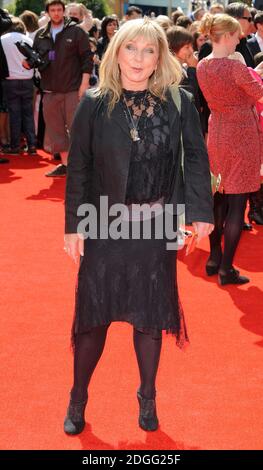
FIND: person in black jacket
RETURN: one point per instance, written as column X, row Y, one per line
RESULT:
column 255, row 44
column 5, row 21
column 181, row 45
column 241, row 12
column 109, row 26
column 125, row 150
column 5, row 24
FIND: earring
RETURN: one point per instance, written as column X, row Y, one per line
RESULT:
column 155, row 78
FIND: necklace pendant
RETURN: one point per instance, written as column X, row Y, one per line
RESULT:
column 134, row 135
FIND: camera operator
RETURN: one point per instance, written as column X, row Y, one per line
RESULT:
column 18, row 88
column 65, row 48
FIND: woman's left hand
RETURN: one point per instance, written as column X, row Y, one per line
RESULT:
column 202, row 229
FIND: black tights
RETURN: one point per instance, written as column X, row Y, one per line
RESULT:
column 88, row 350
column 229, row 218
column 148, row 352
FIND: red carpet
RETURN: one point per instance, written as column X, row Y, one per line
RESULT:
column 209, row 397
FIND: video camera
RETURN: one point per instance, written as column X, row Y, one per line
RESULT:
column 33, row 58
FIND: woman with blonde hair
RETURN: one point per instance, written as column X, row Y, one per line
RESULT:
column 125, row 144
column 83, row 16
column 234, row 140
column 216, row 8
column 164, row 21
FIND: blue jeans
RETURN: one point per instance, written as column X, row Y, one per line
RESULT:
column 19, row 96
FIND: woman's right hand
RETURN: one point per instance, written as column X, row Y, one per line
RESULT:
column 192, row 60
column 74, row 245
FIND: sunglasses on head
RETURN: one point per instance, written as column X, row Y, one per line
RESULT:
column 248, row 18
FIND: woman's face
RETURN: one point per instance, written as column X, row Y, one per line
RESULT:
column 111, row 28
column 137, row 60
column 185, row 53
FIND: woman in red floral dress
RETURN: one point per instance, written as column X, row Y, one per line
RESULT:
column 234, row 140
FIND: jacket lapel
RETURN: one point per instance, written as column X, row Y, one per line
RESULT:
column 119, row 118
column 174, row 119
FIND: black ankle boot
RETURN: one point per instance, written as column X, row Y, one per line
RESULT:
column 232, row 277
column 148, row 420
column 255, row 213
column 213, row 263
column 256, row 216
column 74, row 422
column 246, row 226
column 212, row 269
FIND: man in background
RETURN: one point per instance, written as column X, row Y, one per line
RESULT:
column 65, row 49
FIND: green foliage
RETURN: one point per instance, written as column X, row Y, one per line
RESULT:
column 99, row 8
column 11, row 7
column 33, row 5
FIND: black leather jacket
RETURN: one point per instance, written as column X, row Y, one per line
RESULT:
column 100, row 154
column 72, row 55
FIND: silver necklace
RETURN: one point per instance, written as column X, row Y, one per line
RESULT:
column 134, row 125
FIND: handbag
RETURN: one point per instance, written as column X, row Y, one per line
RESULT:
column 215, row 179
column 216, row 183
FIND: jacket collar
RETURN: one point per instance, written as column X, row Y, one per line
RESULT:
column 118, row 115
column 46, row 33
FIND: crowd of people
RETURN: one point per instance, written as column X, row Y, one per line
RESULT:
column 133, row 66
column 186, row 41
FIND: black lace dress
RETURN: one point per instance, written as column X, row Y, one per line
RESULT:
column 134, row 280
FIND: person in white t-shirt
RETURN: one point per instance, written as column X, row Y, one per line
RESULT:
column 18, row 86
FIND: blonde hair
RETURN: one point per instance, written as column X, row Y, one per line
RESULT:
column 217, row 25
column 216, row 8
column 164, row 21
column 195, row 27
column 83, row 11
column 168, row 70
